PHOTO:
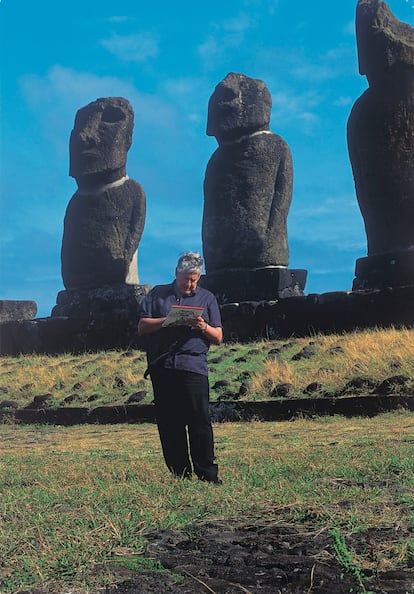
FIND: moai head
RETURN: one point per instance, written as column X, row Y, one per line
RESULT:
column 101, row 138
column 239, row 105
column 384, row 43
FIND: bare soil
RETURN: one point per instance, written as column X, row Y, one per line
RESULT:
column 262, row 558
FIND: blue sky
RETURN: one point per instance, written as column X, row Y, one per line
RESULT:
column 166, row 58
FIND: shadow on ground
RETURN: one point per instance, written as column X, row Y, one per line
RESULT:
column 225, row 558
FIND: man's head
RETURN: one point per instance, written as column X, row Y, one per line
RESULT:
column 239, row 105
column 101, row 137
column 188, row 272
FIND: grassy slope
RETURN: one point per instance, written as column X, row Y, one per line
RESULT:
column 336, row 364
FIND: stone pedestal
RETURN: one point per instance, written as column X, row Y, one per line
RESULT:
column 385, row 270
column 260, row 284
column 14, row 310
column 115, row 301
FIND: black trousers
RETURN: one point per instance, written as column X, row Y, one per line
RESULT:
column 182, row 404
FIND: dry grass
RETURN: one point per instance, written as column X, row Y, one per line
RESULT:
column 372, row 354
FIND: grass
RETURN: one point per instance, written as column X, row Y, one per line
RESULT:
column 78, row 502
column 337, row 364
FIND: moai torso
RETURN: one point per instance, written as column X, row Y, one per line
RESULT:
column 381, row 129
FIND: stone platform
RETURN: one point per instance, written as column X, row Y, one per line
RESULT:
column 394, row 269
column 229, row 411
column 17, row 310
column 259, row 284
column 303, row 315
column 119, row 300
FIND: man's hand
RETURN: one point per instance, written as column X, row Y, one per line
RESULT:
column 198, row 323
column 149, row 325
column 212, row 333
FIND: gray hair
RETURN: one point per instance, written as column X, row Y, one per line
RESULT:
column 190, row 262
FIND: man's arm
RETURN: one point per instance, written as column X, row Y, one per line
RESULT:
column 214, row 334
column 149, row 325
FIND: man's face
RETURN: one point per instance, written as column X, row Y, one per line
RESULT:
column 186, row 282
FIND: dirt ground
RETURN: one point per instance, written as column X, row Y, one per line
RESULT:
column 258, row 558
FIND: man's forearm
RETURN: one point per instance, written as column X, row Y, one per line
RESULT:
column 149, row 325
column 214, row 334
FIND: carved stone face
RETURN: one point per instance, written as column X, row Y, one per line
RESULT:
column 101, row 137
column 384, row 42
column 239, row 105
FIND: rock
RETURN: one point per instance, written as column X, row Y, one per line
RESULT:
column 41, row 401
column 221, row 384
column 306, row 353
column 119, row 382
column 313, row 387
column 396, row 383
column 137, row 397
column 14, row 310
column 244, row 389
column 281, row 390
column 358, row 385
column 10, row 404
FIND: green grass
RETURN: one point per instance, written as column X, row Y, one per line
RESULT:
column 78, row 502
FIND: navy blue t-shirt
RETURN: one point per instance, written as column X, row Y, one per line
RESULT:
column 179, row 347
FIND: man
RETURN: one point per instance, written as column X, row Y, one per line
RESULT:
column 177, row 364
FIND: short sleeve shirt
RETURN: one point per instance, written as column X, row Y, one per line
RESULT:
column 179, row 347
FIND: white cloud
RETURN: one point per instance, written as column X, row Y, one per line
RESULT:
column 210, row 51
column 118, row 19
column 334, row 220
column 139, row 47
column 289, row 107
column 49, row 98
column 334, row 63
column 349, row 28
column 239, row 24
column 56, row 97
column 260, row 5
column 226, row 35
column 343, row 101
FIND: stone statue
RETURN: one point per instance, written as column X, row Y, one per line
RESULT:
column 248, row 182
column 381, row 146
column 105, row 218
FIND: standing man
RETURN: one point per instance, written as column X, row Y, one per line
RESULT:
column 177, row 364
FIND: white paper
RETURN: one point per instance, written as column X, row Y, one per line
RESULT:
column 179, row 314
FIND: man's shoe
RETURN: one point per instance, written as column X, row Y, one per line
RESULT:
column 215, row 481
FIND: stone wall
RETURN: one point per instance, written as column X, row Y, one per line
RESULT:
column 250, row 320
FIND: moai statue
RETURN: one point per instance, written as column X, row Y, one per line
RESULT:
column 247, row 195
column 105, row 218
column 381, row 147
